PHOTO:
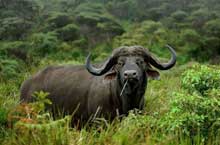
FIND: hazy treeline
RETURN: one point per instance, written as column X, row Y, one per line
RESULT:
column 32, row 29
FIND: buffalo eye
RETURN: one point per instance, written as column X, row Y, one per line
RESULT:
column 120, row 63
column 139, row 62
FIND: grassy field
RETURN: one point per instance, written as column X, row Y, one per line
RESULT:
column 175, row 113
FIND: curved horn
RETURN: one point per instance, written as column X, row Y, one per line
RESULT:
column 164, row 66
column 99, row 71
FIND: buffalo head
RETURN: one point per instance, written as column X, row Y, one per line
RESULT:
column 131, row 66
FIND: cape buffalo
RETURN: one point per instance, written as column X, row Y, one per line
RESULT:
column 113, row 88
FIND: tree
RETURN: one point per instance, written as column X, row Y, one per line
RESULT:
column 212, row 27
column 14, row 28
column 96, row 24
column 179, row 16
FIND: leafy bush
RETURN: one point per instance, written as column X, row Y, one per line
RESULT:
column 150, row 26
column 112, row 28
column 9, row 69
column 15, row 49
column 44, row 43
column 196, row 109
column 200, row 79
column 33, row 125
column 190, row 36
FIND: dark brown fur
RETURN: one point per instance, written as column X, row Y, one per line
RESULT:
column 71, row 88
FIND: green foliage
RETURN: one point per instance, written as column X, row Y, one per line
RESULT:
column 126, row 9
column 212, row 27
column 200, row 79
column 15, row 50
column 32, row 125
column 179, row 16
column 196, row 109
column 24, row 9
column 199, row 18
column 9, row 69
column 181, row 118
column 132, row 126
column 44, row 43
column 3, row 116
column 91, row 23
column 8, row 100
column 52, row 133
column 14, row 28
column 139, row 35
column 96, row 23
column 190, row 36
column 69, row 32
column 90, row 14
column 150, row 26
column 58, row 20
column 193, row 114
column 41, row 101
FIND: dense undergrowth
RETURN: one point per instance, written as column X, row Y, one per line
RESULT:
column 181, row 108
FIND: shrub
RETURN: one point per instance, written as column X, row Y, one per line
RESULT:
column 112, row 28
column 190, row 36
column 44, row 43
column 9, row 69
column 33, row 125
column 18, row 49
column 150, row 26
column 196, row 109
column 201, row 78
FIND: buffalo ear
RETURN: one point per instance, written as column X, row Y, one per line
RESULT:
column 110, row 75
column 153, row 74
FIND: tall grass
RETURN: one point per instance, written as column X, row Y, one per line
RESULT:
column 148, row 127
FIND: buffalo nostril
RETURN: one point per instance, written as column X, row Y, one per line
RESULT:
column 130, row 74
column 125, row 75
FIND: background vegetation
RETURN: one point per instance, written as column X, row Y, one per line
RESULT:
column 182, row 108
